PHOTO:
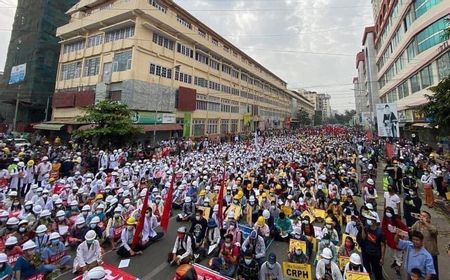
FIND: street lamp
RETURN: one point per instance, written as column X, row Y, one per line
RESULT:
column 177, row 68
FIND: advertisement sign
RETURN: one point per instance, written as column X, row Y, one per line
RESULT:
column 112, row 272
column 139, row 117
column 18, row 73
column 187, row 120
column 204, row 273
column 387, row 120
column 297, row 271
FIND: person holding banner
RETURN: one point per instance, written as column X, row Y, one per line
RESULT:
column 326, row 268
column 271, row 269
column 55, row 254
column 354, row 265
column 125, row 251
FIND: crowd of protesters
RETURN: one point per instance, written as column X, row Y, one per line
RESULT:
column 317, row 186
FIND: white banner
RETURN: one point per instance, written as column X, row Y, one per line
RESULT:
column 387, row 120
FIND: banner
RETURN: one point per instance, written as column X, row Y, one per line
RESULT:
column 342, row 262
column 220, row 199
column 294, row 244
column 204, row 273
column 168, row 204
column 297, row 271
column 387, row 120
column 187, row 120
column 112, row 273
column 344, row 236
column 140, row 225
column 351, row 275
column 18, row 74
column 141, row 117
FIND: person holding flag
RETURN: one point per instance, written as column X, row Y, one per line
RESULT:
column 127, row 249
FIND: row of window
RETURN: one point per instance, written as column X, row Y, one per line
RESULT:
column 158, row 70
column 163, row 41
column 73, row 70
column 212, row 126
column 158, row 6
column 119, row 34
column 185, row 78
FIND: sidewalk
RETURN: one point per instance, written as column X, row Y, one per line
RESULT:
column 439, row 218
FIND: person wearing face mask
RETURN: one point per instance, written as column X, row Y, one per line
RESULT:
column 182, row 251
column 409, row 182
column 74, row 210
column 94, row 224
column 12, row 225
column 261, row 227
column 127, row 236
column 38, row 199
column 6, row 271
column 3, row 219
column 234, row 231
column 392, row 200
column 188, row 210
column 42, row 238
column 78, row 232
column 254, row 243
column 115, row 226
column 12, row 250
column 149, row 234
column 326, row 268
column 271, row 269
column 298, row 256
column 325, row 243
column 329, row 228
column 248, row 268
column 89, row 253
column 16, row 206
column 157, row 207
column 226, row 263
column 354, row 265
column 30, row 264
column 211, row 242
column 348, row 247
column 391, row 222
column 251, row 211
column 427, row 183
column 283, row 227
column 62, row 224
column 373, row 247
column 411, row 207
column 55, row 254
column 25, row 233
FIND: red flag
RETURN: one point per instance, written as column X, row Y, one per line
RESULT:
column 369, row 135
column 168, row 205
column 220, row 200
column 389, row 150
column 140, row 225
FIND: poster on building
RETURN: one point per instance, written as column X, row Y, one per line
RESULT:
column 18, row 73
column 140, row 117
column 387, row 120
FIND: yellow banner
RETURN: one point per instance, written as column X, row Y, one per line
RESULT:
column 320, row 213
column 293, row 244
column 357, row 275
column 297, row 271
column 342, row 261
column 344, row 236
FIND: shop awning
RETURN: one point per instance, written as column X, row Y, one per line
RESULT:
column 48, row 126
column 163, row 127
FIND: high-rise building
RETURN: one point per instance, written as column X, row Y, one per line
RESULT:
column 411, row 54
column 178, row 76
column 34, row 42
column 324, row 105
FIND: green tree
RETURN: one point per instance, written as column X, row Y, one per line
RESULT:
column 111, row 123
column 304, row 118
column 438, row 108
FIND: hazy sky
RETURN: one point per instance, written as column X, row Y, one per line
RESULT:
column 310, row 44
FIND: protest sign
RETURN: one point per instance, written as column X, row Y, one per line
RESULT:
column 204, row 273
column 351, row 275
column 112, row 272
column 342, row 261
column 294, row 243
column 297, row 271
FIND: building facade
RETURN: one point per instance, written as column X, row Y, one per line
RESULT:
column 34, row 42
column 324, row 105
column 411, row 54
column 173, row 71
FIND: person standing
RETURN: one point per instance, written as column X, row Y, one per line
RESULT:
column 427, row 183
column 391, row 199
column 430, row 234
column 417, row 257
column 411, row 207
column 43, row 169
column 373, row 247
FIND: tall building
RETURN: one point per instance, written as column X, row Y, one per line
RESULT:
column 324, row 105
column 34, row 42
column 411, row 54
column 178, row 76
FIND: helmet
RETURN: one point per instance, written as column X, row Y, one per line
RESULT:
column 264, row 195
column 4, row 214
column 60, row 213
column 253, row 234
column 261, row 221
column 73, row 203
column 155, row 190
column 187, row 199
column 289, row 197
column 182, row 230
column 54, row 235
column 100, row 206
column 80, row 221
column 12, row 240
column 95, row 220
column 126, row 201
column 118, row 209
column 3, row 258
column 355, row 259
column 41, row 229
column 12, row 193
column 328, row 221
column 369, row 206
column 202, row 192
column 206, row 200
column 45, row 213
column 12, row 221
column 327, row 254
column 90, row 235
column 28, row 245
column 97, row 273
column 266, row 214
column 86, row 208
column 131, row 221
column 37, row 209
column 370, row 181
column 252, row 198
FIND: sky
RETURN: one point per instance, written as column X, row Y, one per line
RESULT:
column 310, row 44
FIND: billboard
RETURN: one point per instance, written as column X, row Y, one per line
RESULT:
column 18, row 73
column 140, row 117
column 387, row 120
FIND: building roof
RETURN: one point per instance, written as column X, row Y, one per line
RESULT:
column 359, row 57
column 367, row 30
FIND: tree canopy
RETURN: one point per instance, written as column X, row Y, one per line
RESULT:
column 438, row 108
column 304, row 118
column 111, row 123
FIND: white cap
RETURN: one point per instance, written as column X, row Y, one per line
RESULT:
column 90, row 235
column 45, row 213
column 86, row 208
column 80, row 221
column 12, row 240
column 187, row 199
column 12, row 221
column 41, row 229
column 54, row 235
column 60, row 213
column 369, row 206
column 327, row 254
column 266, row 214
column 28, row 245
column 3, row 258
column 95, row 220
column 355, row 259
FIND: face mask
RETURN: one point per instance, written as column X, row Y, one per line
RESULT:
column 61, row 218
column 305, row 222
column 389, row 215
column 126, row 205
column 252, row 203
column 326, row 242
column 231, row 227
column 329, row 226
column 298, row 252
column 327, row 261
column 22, row 229
column 369, row 222
column 93, row 226
column 272, row 207
column 45, row 196
column 335, row 202
column 58, row 205
column 157, row 201
column 197, row 218
column 89, row 242
column 40, row 234
column 98, row 211
column 16, row 203
column 80, row 226
column 248, row 261
column 55, row 242
column 206, row 204
column 236, row 201
column 130, row 228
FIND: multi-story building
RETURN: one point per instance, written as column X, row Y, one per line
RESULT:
column 176, row 73
column 311, row 96
column 324, row 105
column 366, row 84
column 34, row 42
column 301, row 103
column 412, row 54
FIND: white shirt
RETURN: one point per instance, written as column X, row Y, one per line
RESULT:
column 150, row 223
column 320, row 270
column 87, row 255
column 392, row 201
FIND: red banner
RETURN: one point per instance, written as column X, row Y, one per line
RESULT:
column 140, row 225
column 389, row 150
column 204, row 273
column 168, row 205
column 112, row 273
column 220, row 199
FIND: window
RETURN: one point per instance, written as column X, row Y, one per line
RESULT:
column 71, row 70
column 422, row 6
column 185, row 50
column 122, row 61
column 91, row 66
column 415, row 83
column 119, row 34
column 432, row 35
column 224, row 126
column 184, row 22
column 158, row 5
column 161, row 71
column 215, row 42
column 184, row 78
column 444, row 66
column 115, row 95
column 234, row 126
column 202, row 33
column 198, row 127
column 163, row 41
column 213, row 106
column 212, row 126
column 235, row 73
column 200, row 82
column 201, row 58
column 214, row 64
column 426, row 76
column 73, row 47
column 95, row 40
column 226, row 69
column 403, row 90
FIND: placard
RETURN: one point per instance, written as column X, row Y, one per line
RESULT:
column 112, row 273
column 294, row 243
column 297, row 271
column 320, row 213
column 342, row 261
column 344, row 236
column 351, row 275
column 204, row 273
